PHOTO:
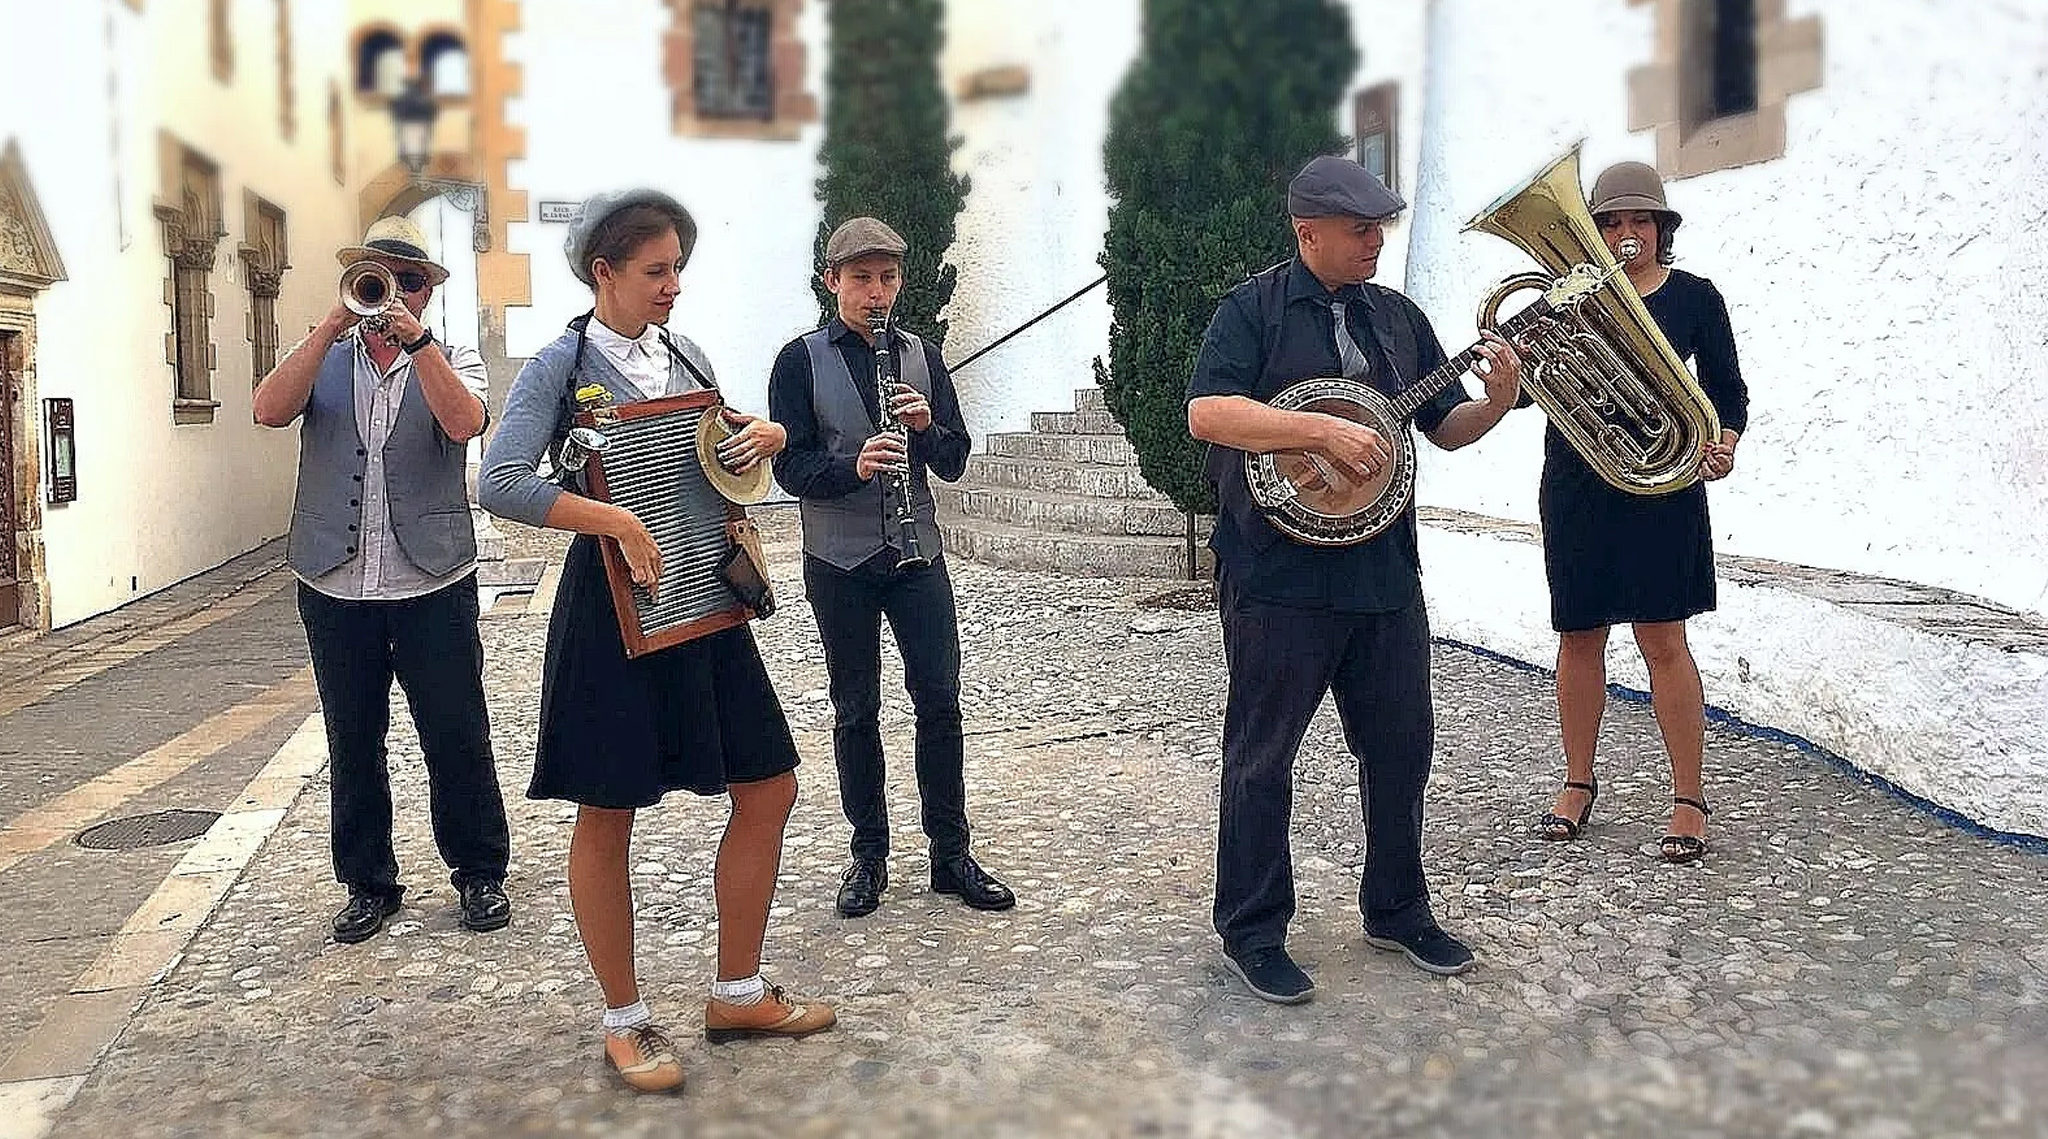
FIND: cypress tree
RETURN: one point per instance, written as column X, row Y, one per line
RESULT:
column 886, row 153
column 1225, row 102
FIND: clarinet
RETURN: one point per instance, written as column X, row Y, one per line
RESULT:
column 898, row 480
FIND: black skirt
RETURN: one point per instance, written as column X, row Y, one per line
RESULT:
column 1615, row 558
column 622, row 733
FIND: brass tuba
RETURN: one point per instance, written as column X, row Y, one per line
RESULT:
column 1600, row 368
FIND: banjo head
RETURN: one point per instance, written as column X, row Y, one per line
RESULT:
column 1307, row 497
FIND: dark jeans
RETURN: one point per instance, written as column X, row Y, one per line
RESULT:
column 1281, row 661
column 850, row 605
column 430, row 644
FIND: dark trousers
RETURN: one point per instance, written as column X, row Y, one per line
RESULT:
column 430, row 644
column 1281, row 661
column 850, row 605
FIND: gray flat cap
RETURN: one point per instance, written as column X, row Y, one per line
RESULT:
column 1338, row 187
column 858, row 237
column 598, row 207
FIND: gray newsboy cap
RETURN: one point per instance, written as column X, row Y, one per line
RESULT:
column 1338, row 187
column 858, row 237
column 598, row 207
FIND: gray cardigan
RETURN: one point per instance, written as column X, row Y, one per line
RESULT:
column 538, row 414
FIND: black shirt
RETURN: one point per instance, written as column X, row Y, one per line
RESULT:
column 805, row 468
column 1251, row 351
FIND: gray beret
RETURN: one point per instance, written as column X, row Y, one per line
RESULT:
column 858, row 237
column 1338, row 187
column 598, row 207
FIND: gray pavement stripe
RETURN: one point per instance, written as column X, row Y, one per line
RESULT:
column 46, row 681
column 51, row 822
column 53, row 1060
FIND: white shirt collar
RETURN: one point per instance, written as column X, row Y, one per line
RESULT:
column 619, row 344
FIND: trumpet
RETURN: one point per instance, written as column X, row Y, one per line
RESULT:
column 366, row 290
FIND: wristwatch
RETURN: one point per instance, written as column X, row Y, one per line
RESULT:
column 426, row 338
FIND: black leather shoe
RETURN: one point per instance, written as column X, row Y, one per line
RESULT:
column 364, row 915
column 975, row 886
column 860, row 888
column 484, row 905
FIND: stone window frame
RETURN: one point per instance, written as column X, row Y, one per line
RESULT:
column 1664, row 95
column 192, row 213
column 266, row 255
column 791, row 104
column 1380, row 102
column 337, row 135
column 221, row 35
column 287, row 94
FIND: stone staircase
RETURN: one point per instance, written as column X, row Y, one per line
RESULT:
column 1067, row 497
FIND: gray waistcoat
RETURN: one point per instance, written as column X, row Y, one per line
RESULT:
column 423, row 479
column 849, row 530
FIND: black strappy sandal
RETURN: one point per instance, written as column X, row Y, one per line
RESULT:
column 1556, row 828
column 1681, row 848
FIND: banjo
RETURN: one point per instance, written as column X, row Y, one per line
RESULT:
column 1312, row 500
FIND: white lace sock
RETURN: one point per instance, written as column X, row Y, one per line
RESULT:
column 746, row 991
column 620, row 1021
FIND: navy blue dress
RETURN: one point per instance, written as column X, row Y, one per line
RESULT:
column 1615, row 558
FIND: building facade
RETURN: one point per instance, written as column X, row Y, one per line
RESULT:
column 171, row 185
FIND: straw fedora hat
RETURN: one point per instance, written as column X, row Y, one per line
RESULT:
column 397, row 238
column 746, row 489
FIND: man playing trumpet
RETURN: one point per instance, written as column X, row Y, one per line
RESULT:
column 385, row 555
column 872, row 548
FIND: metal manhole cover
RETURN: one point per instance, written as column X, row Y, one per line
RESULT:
column 158, row 828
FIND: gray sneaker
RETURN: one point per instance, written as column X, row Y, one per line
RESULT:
column 1431, row 950
column 1271, row 975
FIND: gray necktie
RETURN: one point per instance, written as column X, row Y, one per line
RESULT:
column 1348, row 356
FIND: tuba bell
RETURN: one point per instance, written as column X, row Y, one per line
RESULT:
column 1600, row 367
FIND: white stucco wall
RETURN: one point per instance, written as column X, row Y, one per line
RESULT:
column 1884, row 276
column 596, row 112
column 1955, row 723
column 1032, row 229
column 157, row 501
column 1392, row 39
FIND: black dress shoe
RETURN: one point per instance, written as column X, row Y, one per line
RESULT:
column 364, row 915
column 964, row 877
column 484, row 905
column 860, row 888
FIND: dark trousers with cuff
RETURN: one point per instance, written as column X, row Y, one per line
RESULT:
column 1281, row 661
column 430, row 644
column 850, row 605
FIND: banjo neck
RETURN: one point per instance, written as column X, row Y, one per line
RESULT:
column 1410, row 401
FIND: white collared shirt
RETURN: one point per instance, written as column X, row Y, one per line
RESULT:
column 643, row 359
column 380, row 571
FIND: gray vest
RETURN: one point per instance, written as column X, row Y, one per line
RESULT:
column 423, row 479
column 849, row 530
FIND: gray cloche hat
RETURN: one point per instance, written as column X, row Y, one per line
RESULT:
column 1630, row 186
column 858, row 237
column 1338, row 187
column 597, row 207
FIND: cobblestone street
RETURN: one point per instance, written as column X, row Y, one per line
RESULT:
column 1841, row 964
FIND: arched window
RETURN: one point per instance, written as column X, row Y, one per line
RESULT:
column 445, row 63
column 380, row 63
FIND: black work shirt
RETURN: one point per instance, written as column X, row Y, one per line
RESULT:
column 805, row 468
column 1251, row 350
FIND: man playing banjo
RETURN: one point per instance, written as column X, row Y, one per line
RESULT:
column 1299, row 619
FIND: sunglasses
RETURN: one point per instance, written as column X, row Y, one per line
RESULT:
column 410, row 282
